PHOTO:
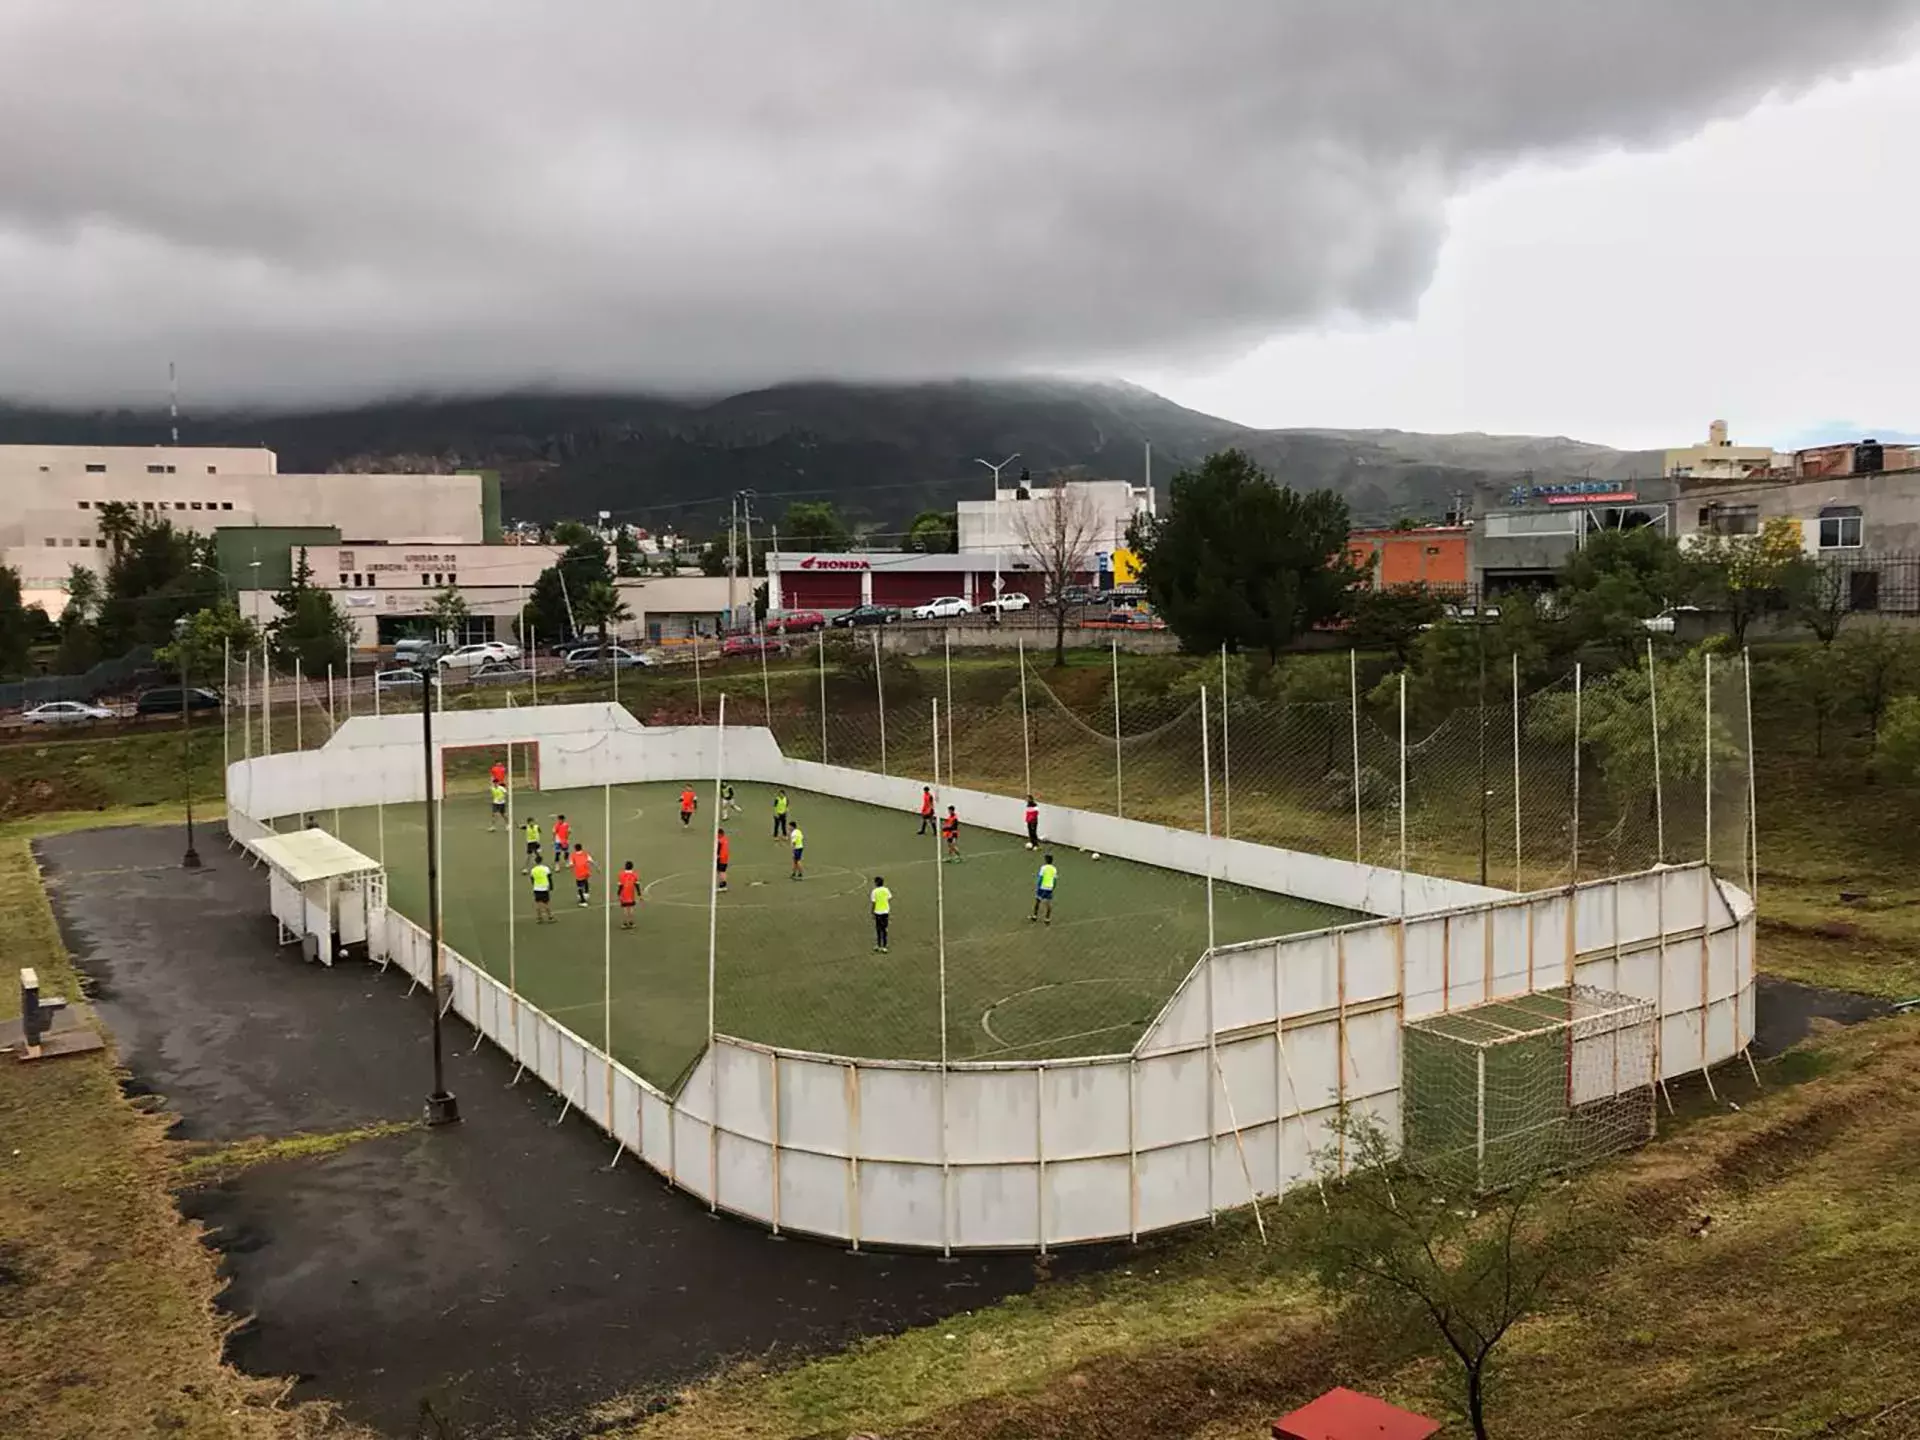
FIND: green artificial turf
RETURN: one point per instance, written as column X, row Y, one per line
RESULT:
column 795, row 961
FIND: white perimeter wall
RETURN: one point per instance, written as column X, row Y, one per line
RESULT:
column 1230, row 1093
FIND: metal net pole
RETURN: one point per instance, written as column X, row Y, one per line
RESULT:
column 946, row 639
column 1706, row 768
column 1517, row 884
column 1403, row 794
column 533, row 662
column 1573, row 872
column 713, row 937
column 823, row 696
column 226, row 711
column 266, row 699
column 1753, row 794
column 1659, row 794
column 880, row 700
column 1353, row 715
column 699, row 695
column 1213, row 1037
column 766, row 691
column 1119, row 799
column 1026, row 735
column 246, row 706
column 940, row 946
column 1226, row 754
column 606, row 913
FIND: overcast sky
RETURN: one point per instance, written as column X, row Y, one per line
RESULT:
column 1610, row 220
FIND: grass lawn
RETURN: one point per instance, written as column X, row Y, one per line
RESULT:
column 796, row 965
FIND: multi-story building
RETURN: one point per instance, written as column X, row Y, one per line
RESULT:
column 1721, row 459
column 1524, row 531
column 1434, row 557
column 1008, row 523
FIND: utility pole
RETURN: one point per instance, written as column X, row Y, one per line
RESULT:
column 733, row 560
column 190, row 860
column 746, row 519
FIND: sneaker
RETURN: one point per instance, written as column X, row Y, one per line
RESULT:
column 1034, row 919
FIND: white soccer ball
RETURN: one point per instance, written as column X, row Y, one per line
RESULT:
column 1094, row 856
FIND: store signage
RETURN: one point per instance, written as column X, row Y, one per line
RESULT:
column 832, row 562
column 1572, row 492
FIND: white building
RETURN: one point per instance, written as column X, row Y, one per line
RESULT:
column 1004, row 523
column 51, row 497
column 1721, row 459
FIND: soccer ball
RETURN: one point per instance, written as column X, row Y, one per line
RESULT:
column 1094, row 856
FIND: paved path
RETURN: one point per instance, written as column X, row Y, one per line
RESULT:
column 498, row 1268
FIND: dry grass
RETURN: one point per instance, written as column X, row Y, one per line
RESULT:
column 108, row 1326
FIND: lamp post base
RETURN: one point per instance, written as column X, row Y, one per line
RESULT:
column 443, row 1109
column 190, row 860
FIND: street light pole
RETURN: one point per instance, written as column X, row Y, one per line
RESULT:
column 442, row 1108
column 996, row 469
column 190, row 860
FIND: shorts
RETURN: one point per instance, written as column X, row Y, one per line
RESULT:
column 798, row 854
column 533, row 847
column 626, row 904
column 686, row 816
column 721, row 866
column 499, row 807
column 1046, row 895
column 581, row 886
column 541, row 897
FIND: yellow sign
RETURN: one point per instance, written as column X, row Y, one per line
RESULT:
column 1126, row 568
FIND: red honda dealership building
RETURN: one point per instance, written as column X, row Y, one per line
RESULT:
column 890, row 577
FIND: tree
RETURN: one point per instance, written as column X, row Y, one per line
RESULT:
column 156, row 575
column 1451, row 1272
column 16, row 625
column 1391, row 619
column 574, row 532
column 203, row 642
column 1748, row 575
column 79, row 639
column 1058, row 528
column 83, row 594
column 1450, row 658
column 1879, row 663
column 1896, row 755
column 310, row 632
column 600, row 608
column 1615, row 581
column 551, row 609
column 628, row 561
column 933, row 532
column 815, row 525
column 1240, row 562
column 448, row 611
column 117, row 522
column 1822, row 599
column 1818, row 675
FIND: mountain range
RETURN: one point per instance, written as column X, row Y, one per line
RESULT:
column 880, row 453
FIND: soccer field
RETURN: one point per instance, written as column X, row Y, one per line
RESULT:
column 795, row 961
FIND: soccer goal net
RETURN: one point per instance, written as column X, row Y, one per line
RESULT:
column 468, row 769
column 1498, row 1093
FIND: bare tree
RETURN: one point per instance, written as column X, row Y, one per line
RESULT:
column 1059, row 528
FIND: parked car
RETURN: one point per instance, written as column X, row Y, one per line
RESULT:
column 1075, row 595
column 472, row 657
column 796, row 622
column 1006, row 604
column 403, row 678
column 1123, row 595
column 590, row 657
column 166, row 700
column 866, row 615
column 946, row 607
column 1138, row 617
column 751, row 645
column 65, row 712
column 417, row 649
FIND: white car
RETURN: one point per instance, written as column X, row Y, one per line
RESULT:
column 944, row 608
column 1006, row 604
column 65, row 712
column 472, row 657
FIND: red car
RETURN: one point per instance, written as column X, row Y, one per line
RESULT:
column 795, row 622
column 751, row 645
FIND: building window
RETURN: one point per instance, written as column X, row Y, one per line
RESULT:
column 1863, row 590
column 83, row 504
column 213, row 469
column 85, row 543
column 146, row 504
column 1840, row 527
column 196, row 504
column 96, row 469
column 1732, row 519
column 156, row 469
column 66, row 543
column 425, row 579
column 52, row 543
column 343, row 580
column 453, row 579
column 226, row 504
column 373, row 580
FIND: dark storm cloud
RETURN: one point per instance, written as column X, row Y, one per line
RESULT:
column 301, row 200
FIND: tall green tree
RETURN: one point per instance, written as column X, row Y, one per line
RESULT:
column 600, row 608
column 1747, row 576
column 1615, row 582
column 311, row 632
column 448, row 611
column 628, row 561
column 1391, row 618
column 117, row 521
column 199, row 650
column 1241, row 562
column 16, row 626
column 79, row 639
column 1822, row 599
column 1879, row 663
column 933, row 532
column 552, row 611
column 814, row 525
column 157, row 575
